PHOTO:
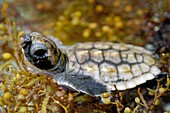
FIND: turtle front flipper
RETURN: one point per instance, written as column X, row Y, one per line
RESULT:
column 80, row 81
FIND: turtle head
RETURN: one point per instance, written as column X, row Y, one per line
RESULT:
column 40, row 51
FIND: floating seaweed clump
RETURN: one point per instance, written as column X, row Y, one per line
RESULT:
column 119, row 21
column 21, row 91
column 24, row 92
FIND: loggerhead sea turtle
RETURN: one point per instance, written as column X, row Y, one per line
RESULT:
column 91, row 67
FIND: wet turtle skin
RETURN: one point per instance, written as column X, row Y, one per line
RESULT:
column 92, row 67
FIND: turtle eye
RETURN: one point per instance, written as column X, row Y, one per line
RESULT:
column 40, row 52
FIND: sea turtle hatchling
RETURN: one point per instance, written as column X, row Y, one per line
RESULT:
column 91, row 67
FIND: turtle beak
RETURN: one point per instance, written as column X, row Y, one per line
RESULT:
column 25, row 41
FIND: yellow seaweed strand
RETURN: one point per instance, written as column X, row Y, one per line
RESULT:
column 142, row 99
column 64, row 107
column 44, row 104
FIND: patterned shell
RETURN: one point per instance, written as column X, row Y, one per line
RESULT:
column 113, row 64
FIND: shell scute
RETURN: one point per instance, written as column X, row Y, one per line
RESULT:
column 102, row 45
column 108, row 72
column 112, row 56
column 96, row 55
column 136, row 70
column 82, row 56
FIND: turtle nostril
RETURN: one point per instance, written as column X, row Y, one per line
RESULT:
column 40, row 52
